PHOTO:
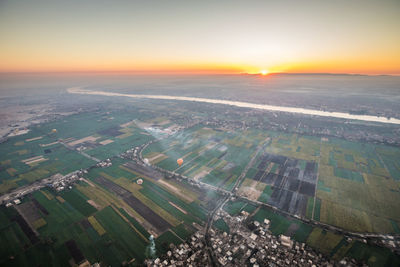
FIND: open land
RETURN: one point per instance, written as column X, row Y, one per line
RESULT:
column 108, row 216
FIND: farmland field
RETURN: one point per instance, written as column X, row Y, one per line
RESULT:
column 109, row 214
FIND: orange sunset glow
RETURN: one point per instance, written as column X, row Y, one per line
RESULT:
column 201, row 37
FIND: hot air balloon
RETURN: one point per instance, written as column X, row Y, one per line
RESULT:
column 139, row 181
column 180, row 161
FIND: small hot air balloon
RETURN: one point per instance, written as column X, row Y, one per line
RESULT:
column 139, row 181
column 180, row 161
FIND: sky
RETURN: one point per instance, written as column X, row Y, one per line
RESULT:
column 341, row 36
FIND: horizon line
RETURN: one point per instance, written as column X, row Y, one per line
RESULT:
column 200, row 73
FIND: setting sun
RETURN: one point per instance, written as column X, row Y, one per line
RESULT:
column 128, row 37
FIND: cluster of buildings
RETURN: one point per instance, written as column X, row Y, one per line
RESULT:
column 391, row 242
column 253, row 244
column 191, row 253
column 58, row 182
column 301, row 124
column 132, row 153
column 246, row 244
column 16, row 201
column 61, row 182
column 104, row 164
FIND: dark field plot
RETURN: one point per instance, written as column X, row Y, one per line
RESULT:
column 273, row 158
column 26, row 229
column 143, row 170
column 289, row 201
column 40, row 207
column 292, row 182
column 112, row 131
column 163, row 199
column 86, row 224
column 258, row 175
column 112, row 187
column 75, row 252
column 156, row 220
column 148, row 214
column 29, row 211
column 307, row 189
column 310, row 173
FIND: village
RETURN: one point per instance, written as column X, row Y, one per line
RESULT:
column 245, row 244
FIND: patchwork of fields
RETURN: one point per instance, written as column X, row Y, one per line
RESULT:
column 54, row 147
column 359, row 187
column 108, row 216
column 351, row 185
column 286, row 183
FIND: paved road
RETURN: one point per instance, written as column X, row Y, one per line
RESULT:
column 233, row 193
column 24, row 190
column 222, row 202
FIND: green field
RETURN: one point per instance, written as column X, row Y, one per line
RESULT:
column 214, row 157
column 358, row 186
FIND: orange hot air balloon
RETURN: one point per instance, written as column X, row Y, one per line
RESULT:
column 180, row 161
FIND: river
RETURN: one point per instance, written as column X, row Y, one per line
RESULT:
column 340, row 115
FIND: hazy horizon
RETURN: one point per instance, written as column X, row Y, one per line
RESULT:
column 201, row 37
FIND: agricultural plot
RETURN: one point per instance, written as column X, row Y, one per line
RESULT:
column 143, row 170
column 12, row 235
column 60, row 146
column 294, row 146
column 210, row 155
column 355, row 184
column 148, row 214
column 157, row 206
column 31, row 214
column 109, row 216
column 78, row 201
column 283, row 182
column 373, row 256
column 346, row 177
column 37, row 162
column 106, row 235
column 356, row 188
column 56, row 147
